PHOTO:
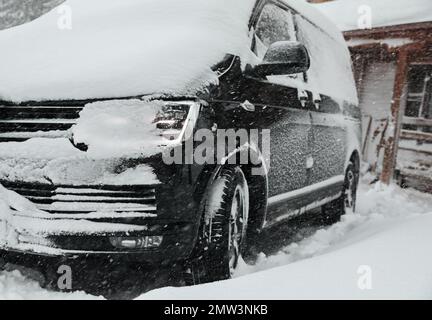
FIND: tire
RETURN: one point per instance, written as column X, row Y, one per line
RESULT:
column 222, row 236
column 333, row 211
column 3, row 260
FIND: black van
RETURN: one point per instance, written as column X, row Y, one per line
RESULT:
column 270, row 137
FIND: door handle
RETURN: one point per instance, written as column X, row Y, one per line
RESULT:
column 317, row 101
column 303, row 97
column 248, row 106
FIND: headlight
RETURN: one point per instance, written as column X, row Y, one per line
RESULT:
column 118, row 128
column 176, row 120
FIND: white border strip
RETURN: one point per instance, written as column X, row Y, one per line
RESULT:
column 314, row 187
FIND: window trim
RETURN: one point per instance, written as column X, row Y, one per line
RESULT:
column 424, row 97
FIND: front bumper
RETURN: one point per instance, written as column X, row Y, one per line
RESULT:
column 177, row 243
column 64, row 222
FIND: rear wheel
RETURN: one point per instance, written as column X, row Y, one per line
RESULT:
column 222, row 236
column 333, row 211
column 2, row 263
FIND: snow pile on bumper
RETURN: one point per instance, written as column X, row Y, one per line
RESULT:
column 24, row 227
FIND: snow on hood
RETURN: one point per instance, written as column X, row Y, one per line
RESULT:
column 384, row 12
column 119, row 128
column 119, row 48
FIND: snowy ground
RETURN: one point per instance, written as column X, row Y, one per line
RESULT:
column 382, row 251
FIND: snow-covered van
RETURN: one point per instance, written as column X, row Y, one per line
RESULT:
column 163, row 131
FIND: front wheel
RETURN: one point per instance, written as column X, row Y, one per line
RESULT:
column 222, row 235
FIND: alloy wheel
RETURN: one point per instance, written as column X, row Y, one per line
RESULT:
column 237, row 227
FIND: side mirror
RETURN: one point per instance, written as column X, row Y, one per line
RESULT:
column 283, row 58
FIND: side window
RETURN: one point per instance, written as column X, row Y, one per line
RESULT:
column 275, row 24
column 330, row 72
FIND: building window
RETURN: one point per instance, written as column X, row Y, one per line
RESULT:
column 419, row 100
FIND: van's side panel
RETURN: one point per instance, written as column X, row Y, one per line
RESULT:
column 329, row 145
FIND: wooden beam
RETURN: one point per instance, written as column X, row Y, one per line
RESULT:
column 416, row 135
column 419, row 30
column 391, row 142
column 419, row 122
column 422, row 61
column 419, row 182
column 425, row 152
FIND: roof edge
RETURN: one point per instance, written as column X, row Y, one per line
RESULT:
column 407, row 27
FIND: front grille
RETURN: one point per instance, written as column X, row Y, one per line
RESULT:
column 125, row 201
column 22, row 122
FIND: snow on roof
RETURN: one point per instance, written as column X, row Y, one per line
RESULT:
column 346, row 13
column 119, row 48
column 316, row 17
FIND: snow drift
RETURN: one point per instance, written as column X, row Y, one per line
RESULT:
column 388, row 236
column 390, row 233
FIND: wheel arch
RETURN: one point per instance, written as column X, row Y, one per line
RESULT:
column 258, row 188
column 355, row 159
column 256, row 177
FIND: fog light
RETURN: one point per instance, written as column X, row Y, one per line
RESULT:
column 147, row 242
